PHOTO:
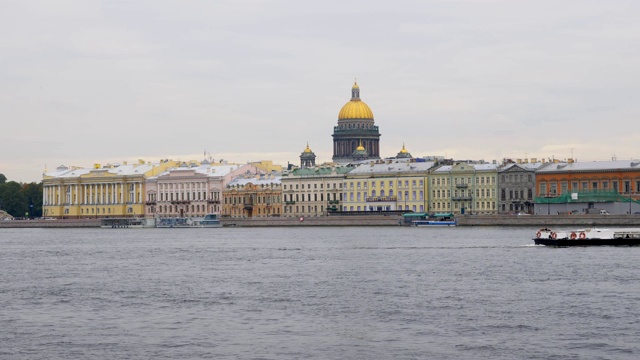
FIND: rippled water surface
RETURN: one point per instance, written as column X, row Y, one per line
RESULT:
column 313, row 293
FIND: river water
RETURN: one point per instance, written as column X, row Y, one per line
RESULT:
column 313, row 293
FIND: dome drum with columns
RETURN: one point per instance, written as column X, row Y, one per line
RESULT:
column 355, row 128
column 307, row 158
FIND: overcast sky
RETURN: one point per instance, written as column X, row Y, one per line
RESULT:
column 87, row 81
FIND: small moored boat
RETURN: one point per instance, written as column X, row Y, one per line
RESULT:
column 437, row 220
column 122, row 223
column 588, row 237
column 208, row 221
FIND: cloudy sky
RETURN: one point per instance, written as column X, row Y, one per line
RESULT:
column 92, row 81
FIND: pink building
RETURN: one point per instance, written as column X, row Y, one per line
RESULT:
column 191, row 190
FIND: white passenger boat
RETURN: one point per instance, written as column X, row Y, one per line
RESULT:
column 588, row 237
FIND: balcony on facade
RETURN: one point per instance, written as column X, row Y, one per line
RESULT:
column 334, row 201
column 462, row 186
column 289, row 202
column 381, row 198
column 213, row 201
column 181, row 202
column 149, row 203
column 248, row 206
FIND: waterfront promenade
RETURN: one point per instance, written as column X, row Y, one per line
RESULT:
column 371, row 220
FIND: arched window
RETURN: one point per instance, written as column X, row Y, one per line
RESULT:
column 382, row 192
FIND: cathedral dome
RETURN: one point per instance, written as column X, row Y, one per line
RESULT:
column 356, row 108
column 403, row 153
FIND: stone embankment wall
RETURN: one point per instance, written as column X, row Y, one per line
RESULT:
column 373, row 220
column 61, row 223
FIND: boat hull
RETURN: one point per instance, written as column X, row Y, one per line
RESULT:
column 434, row 223
column 587, row 242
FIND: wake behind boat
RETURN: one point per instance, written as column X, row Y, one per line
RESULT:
column 588, row 237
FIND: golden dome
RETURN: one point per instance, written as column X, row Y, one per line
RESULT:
column 403, row 151
column 360, row 147
column 307, row 150
column 356, row 108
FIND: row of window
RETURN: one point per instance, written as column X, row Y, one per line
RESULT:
column 315, row 186
column 515, row 178
column 250, row 199
column 480, row 205
column 552, row 187
column 381, row 183
column 249, row 213
column 516, row 194
column 359, row 196
column 171, row 186
column 439, row 194
column 301, row 197
column 480, row 180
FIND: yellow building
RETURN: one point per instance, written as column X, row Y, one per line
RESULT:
column 104, row 191
column 267, row 166
column 387, row 185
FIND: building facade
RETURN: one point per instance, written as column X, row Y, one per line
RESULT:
column 517, row 187
column 387, row 185
column 191, row 190
column 464, row 188
column 113, row 190
column 356, row 128
column 313, row 191
column 253, row 196
column 573, row 181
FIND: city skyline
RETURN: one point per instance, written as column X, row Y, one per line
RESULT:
column 87, row 82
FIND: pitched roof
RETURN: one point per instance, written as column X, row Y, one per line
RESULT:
column 617, row 165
